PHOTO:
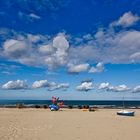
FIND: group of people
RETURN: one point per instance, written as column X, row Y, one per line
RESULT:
column 55, row 104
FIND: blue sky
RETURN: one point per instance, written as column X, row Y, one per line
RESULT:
column 73, row 49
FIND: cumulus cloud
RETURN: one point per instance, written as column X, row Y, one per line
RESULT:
column 50, row 85
column 99, row 68
column 126, row 20
column 62, row 51
column 59, row 56
column 135, row 57
column 14, row 85
column 40, row 84
column 84, row 52
column 104, row 86
column 85, row 86
column 108, row 87
column 14, row 48
column 46, row 49
column 54, row 86
column 78, row 68
column 136, row 89
column 34, row 38
column 107, row 46
column 120, row 88
column 123, row 44
column 37, row 50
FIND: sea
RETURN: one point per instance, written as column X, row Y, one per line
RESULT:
column 104, row 103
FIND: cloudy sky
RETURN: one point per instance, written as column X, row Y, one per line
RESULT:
column 73, row 49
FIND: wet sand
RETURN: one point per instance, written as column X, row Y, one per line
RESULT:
column 68, row 124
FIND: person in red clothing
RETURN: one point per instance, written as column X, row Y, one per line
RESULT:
column 61, row 104
column 55, row 100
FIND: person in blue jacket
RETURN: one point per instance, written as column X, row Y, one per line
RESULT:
column 54, row 106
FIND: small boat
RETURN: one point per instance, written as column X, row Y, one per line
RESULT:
column 126, row 113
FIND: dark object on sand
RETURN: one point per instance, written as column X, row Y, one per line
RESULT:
column 70, row 106
column 45, row 106
column 79, row 107
column 37, row 106
column 91, row 109
column 20, row 105
column 86, row 107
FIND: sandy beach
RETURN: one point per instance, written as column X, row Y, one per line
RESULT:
column 68, row 124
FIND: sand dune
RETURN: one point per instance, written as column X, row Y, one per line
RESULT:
column 42, row 124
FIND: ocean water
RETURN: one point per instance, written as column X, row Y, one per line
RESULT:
column 73, row 102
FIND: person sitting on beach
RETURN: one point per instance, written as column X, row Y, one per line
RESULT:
column 61, row 104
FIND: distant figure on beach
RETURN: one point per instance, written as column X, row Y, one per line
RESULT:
column 61, row 104
column 55, row 100
column 55, row 105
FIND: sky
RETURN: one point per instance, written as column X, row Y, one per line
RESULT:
column 74, row 49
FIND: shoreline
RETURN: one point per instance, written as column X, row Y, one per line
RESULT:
column 72, row 103
column 45, row 106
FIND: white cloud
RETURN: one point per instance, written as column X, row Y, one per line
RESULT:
column 33, row 38
column 85, row 86
column 61, row 51
column 120, row 88
column 46, row 49
column 136, row 89
column 108, row 87
column 42, row 51
column 50, row 85
column 14, row 85
column 34, row 16
column 14, row 48
column 84, row 52
column 107, row 47
column 104, row 86
column 78, row 68
column 53, row 86
column 88, row 37
column 124, row 44
column 126, row 20
column 99, row 68
column 40, row 84
column 37, row 50
column 135, row 57
column 60, row 42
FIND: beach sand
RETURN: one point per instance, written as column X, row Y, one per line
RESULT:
column 68, row 124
